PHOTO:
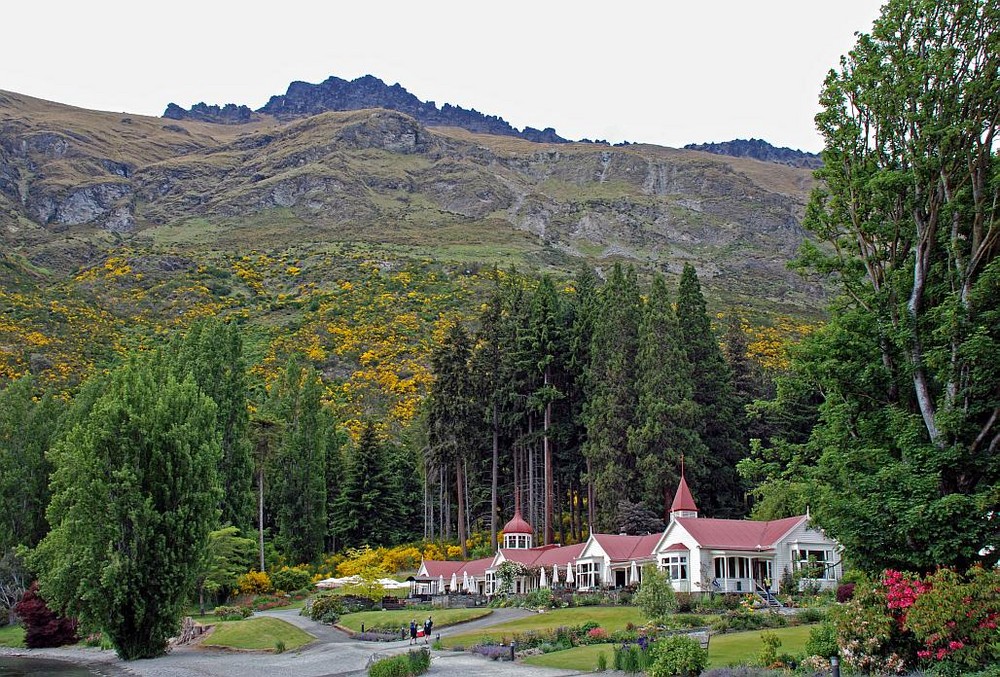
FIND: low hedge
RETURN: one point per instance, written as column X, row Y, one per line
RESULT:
column 410, row 664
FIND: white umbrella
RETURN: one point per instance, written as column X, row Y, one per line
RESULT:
column 542, row 582
column 570, row 578
column 555, row 574
column 633, row 573
column 468, row 580
column 441, row 584
column 454, row 582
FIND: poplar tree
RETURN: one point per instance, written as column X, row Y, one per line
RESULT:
column 719, row 417
column 212, row 351
column 299, row 463
column 27, row 429
column 134, row 496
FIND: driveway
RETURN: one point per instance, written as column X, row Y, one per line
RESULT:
column 333, row 654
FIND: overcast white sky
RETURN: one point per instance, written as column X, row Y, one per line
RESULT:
column 662, row 71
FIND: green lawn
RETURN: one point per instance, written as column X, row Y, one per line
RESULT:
column 610, row 618
column 12, row 635
column 723, row 650
column 740, row 647
column 398, row 619
column 257, row 633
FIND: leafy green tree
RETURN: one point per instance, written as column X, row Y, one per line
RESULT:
column 212, row 352
column 612, row 403
column 910, row 424
column 226, row 556
column 299, row 464
column 134, row 496
column 714, row 480
column 655, row 597
column 27, row 428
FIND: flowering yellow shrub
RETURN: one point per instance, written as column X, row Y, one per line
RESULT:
column 401, row 558
column 254, row 583
column 432, row 551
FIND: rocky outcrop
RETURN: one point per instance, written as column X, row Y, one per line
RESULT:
column 758, row 149
column 230, row 114
column 303, row 99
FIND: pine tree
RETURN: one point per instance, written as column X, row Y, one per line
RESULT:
column 365, row 508
column 134, row 496
column 715, row 482
column 453, row 419
column 612, row 404
column 667, row 415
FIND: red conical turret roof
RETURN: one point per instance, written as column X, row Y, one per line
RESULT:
column 517, row 525
column 683, row 500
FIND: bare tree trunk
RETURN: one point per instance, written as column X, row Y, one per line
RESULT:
column 495, row 477
column 260, row 515
column 460, row 497
column 590, row 500
column 532, row 517
column 547, row 456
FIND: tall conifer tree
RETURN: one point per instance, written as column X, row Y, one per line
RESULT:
column 715, row 482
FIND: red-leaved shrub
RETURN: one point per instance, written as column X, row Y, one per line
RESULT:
column 845, row 591
column 42, row 627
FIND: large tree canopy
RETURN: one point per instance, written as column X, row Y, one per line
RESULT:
column 134, row 495
column 906, row 450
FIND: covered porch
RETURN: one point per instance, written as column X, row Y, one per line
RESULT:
column 742, row 572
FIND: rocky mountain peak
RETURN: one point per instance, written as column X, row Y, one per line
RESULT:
column 758, row 149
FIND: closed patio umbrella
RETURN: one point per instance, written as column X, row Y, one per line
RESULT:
column 542, row 581
column 555, row 574
column 454, row 582
column 570, row 578
column 441, row 584
column 633, row 573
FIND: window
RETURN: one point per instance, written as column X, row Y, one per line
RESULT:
column 676, row 567
column 732, row 567
column 812, row 563
column 588, row 574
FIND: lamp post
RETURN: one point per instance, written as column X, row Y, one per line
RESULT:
column 835, row 665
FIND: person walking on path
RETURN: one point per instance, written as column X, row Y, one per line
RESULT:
column 413, row 631
column 428, row 626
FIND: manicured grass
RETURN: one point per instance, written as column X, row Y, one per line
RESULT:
column 12, row 635
column 399, row 619
column 582, row 658
column 740, row 647
column 609, row 618
column 257, row 633
column 723, row 650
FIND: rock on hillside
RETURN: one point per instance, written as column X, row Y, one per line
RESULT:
column 758, row 149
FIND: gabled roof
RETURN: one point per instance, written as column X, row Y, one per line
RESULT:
column 544, row 556
column 445, row 568
column 683, row 500
column 623, row 548
column 738, row 534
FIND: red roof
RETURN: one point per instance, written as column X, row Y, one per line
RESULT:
column 622, row 548
column 517, row 525
column 738, row 534
column 683, row 500
column 544, row 556
column 436, row 567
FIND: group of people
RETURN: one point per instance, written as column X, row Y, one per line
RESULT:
column 428, row 626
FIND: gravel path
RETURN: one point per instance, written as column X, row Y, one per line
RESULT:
column 333, row 654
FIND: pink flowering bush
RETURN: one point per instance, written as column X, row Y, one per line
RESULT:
column 955, row 617
column 945, row 621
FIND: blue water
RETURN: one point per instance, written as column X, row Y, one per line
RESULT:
column 39, row 667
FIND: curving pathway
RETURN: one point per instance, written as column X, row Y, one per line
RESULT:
column 333, row 654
